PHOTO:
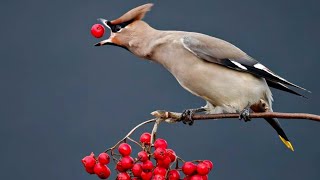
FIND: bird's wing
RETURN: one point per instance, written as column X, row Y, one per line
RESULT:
column 283, row 87
column 223, row 53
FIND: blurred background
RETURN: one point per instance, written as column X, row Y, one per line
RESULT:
column 62, row 98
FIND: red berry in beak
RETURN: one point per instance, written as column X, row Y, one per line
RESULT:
column 97, row 30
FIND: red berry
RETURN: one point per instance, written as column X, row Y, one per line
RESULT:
column 171, row 154
column 173, row 175
column 89, row 161
column 119, row 167
column 123, row 176
column 209, row 163
column 188, row 168
column 205, row 177
column 143, row 156
column 124, row 149
column 89, row 170
column 104, row 158
column 147, row 165
column 158, row 177
column 203, row 169
column 165, row 163
column 187, row 178
column 159, row 153
column 160, row 143
column 196, row 177
column 160, row 171
column 137, row 170
column 146, row 175
column 97, row 30
column 145, row 138
column 127, row 162
column 102, row 171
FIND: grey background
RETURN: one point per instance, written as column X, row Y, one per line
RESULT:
column 62, row 98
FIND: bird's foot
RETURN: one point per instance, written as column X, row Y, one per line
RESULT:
column 245, row 115
column 186, row 116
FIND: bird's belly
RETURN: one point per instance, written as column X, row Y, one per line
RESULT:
column 221, row 86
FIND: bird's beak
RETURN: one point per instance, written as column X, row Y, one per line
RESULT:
column 106, row 41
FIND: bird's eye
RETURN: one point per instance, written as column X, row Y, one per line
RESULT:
column 117, row 28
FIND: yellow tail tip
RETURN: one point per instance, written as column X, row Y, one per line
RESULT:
column 287, row 143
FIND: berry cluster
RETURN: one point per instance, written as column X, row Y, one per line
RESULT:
column 98, row 165
column 161, row 164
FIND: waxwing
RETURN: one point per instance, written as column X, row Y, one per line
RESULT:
column 228, row 79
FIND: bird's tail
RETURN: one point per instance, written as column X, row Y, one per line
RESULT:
column 276, row 125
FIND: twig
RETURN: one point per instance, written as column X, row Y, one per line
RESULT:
column 154, row 132
column 132, row 131
column 130, row 139
column 174, row 116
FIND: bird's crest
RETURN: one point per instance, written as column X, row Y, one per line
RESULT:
column 134, row 14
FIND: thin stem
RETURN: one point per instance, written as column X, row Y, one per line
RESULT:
column 178, row 158
column 115, row 160
column 197, row 161
column 132, row 131
column 135, row 142
column 154, row 132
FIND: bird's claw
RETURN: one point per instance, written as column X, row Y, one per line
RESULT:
column 245, row 115
column 186, row 116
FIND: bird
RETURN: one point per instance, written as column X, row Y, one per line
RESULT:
column 227, row 78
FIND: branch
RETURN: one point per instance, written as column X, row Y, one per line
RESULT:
column 174, row 116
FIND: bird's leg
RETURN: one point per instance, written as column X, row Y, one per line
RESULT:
column 186, row 116
column 260, row 106
column 245, row 114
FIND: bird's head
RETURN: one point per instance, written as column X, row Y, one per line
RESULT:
column 126, row 27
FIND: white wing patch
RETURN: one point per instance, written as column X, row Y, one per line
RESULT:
column 239, row 65
column 262, row 67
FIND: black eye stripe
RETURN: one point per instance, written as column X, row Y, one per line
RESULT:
column 118, row 27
